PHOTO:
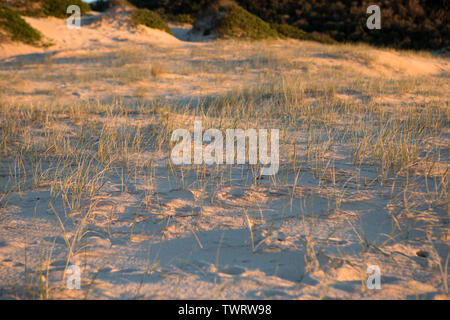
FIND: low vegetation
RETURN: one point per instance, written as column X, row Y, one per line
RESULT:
column 45, row 8
column 15, row 28
column 406, row 24
column 149, row 19
column 355, row 152
column 179, row 18
column 289, row 31
column 239, row 23
column 58, row 8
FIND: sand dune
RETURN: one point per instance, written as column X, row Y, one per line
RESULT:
column 98, row 30
column 86, row 178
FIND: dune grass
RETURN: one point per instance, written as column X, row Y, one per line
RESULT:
column 343, row 143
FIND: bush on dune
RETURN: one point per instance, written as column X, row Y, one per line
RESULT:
column 58, row 8
column 232, row 21
column 45, row 8
column 288, row 31
column 407, row 24
column 149, row 19
column 30, row 8
column 103, row 5
column 239, row 23
column 16, row 28
column 179, row 18
column 224, row 18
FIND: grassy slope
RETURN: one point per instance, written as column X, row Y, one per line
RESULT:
column 16, row 28
column 239, row 23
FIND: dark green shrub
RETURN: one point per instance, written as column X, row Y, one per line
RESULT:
column 149, row 19
column 100, row 5
column 45, row 8
column 408, row 24
column 31, row 8
column 58, row 8
column 239, row 23
column 179, row 18
column 16, row 27
column 175, row 7
column 174, row 17
column 288, row 31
